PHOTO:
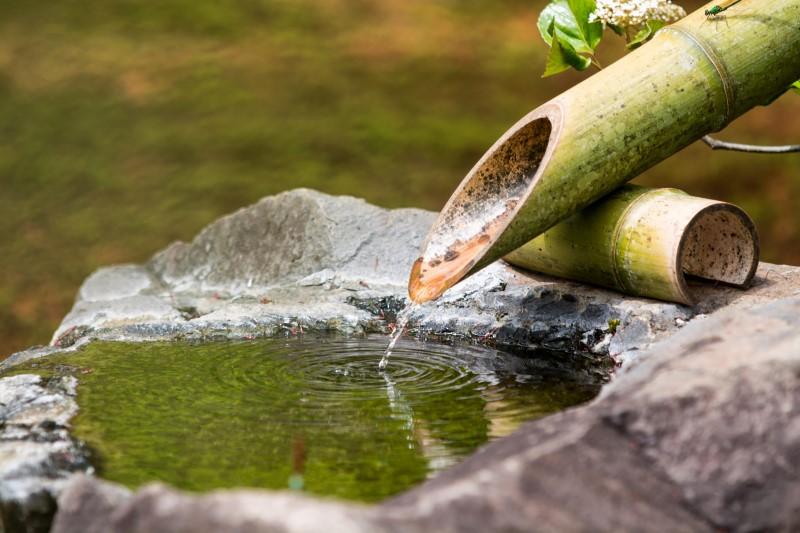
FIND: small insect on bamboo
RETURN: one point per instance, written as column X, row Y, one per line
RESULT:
column 719, row 8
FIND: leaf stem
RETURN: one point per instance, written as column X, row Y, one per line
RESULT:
column 716, row 144
column 596, row 63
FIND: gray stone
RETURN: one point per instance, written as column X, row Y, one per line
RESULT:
column 717, row 409
column 37, row 454
column 697, row 431
column 303, row 260
column 86, row 497
column 291, row 236
column 112, row 283
column 701, row 433
column 89, row 506
column 114, row 314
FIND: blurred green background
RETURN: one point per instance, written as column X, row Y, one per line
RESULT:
column 127, row 124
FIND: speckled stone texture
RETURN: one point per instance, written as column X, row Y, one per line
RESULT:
column 305, row 260
column 696, row 431
column 702, row 433
column 37, row 453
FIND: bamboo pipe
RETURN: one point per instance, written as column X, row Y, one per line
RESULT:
column 692, row 79
column 645, row 242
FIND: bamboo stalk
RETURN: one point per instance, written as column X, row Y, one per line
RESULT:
column 645, row 242
column 692, row 79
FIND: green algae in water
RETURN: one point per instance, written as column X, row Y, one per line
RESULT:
column 206, row 416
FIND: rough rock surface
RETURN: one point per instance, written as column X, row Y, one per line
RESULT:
column 702, row 434
column 37, row 453
column 306, row 260
column 158, row 508
column 696, row 432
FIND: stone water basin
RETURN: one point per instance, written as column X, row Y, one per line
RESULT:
column 255, row 413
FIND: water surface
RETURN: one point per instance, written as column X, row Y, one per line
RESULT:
column 254, row 413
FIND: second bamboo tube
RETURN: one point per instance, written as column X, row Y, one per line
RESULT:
column 646, row 242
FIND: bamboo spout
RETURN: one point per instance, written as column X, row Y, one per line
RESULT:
column 646, row 242
column 692, row 79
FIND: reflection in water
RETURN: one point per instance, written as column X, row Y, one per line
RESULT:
column 434, row 450
column 400, row 408
column 232, row 414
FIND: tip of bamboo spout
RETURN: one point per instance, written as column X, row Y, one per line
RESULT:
column 468, row 233
column 430, row 279
column 421, row 290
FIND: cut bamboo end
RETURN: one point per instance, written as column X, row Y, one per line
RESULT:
column 484, row 204
column 658, row 243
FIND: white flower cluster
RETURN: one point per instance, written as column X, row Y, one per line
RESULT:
column 635, row 13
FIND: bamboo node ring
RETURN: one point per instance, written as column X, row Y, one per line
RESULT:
column 719, row 66
column 618, row 229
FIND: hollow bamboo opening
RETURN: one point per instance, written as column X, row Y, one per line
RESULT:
column 481, row 208
column 719, row 245
column 658, row 243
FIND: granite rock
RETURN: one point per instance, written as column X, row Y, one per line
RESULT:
column 91, row 506
column 303, row 260
column 697, row 430
column 37, row 453
column 701, row 433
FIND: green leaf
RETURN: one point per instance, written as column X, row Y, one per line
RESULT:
column 546, row 24
column 571, row 18
column 562, row 56
column 796, row 86
column 591, row 32
column 646, row 33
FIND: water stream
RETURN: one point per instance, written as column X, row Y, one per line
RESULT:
column 400, row 326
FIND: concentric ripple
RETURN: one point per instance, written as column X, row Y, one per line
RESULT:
column 333, row 369
column 255, row 413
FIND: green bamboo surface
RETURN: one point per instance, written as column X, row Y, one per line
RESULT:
column 642, row 242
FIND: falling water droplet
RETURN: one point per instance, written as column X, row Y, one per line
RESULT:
column 400, row 326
